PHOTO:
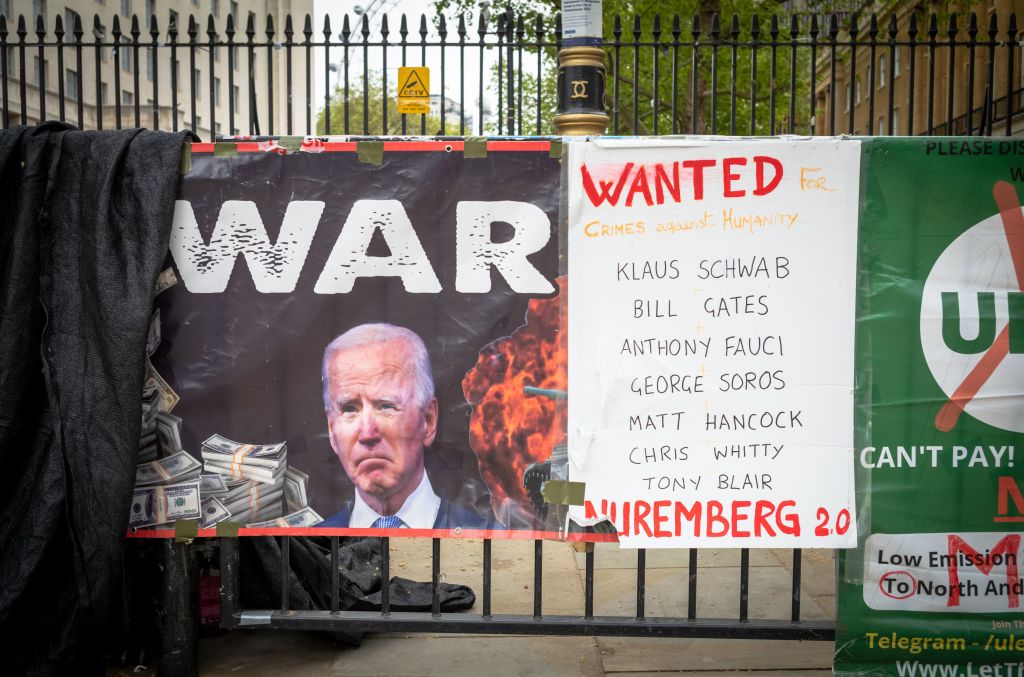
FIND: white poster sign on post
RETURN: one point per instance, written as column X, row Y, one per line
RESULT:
column 711, row 340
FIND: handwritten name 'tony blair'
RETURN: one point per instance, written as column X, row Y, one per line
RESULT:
column 760, row 175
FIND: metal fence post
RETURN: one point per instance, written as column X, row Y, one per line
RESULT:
column 179, row 625
column 581, row 72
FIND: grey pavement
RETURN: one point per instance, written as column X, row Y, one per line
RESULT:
column 279, row 653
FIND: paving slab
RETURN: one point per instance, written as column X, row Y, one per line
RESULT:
column 281, row 654
column 817, row 571
column 611, row 556
column 667, row 594
column 629, row 655
column 511, row 572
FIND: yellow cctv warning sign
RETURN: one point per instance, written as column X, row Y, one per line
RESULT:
column 414, row 89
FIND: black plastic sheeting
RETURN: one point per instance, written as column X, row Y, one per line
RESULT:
column 309, row 584
column 84, row 224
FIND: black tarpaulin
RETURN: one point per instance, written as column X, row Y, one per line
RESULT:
column 84, row 223
column 360, row 567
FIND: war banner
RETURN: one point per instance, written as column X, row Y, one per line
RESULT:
column 357, row 338
column 934, row 586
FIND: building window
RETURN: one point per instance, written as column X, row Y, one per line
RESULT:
column 150, row 58
column 216, row 91
column 173, row 20
column 71, row 84
column 70, row 17
column 149, row 12
column 217, row 128
column 849, row 95
column 234, row 9
column 856, row 93
column 126, row 56
column 103, row 93
column 881, row 71
column 234, row 98
column 5, row 9
column 215, row 7
column 126, row 8
column 881, row 126
column 38, row 9
column 896, row 122
column 40, row 71
column 127, row 98
column 896, row 62
column 197, row 84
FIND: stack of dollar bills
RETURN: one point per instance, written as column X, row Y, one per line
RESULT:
column 168, row 433
column 148, row 450
column 166, row 490
column 264, row 463
column 259, row 487
column 296, row 489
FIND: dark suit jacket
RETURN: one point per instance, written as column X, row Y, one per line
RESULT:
column 449, row 516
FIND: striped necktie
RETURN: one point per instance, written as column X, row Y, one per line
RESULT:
column 389, row 522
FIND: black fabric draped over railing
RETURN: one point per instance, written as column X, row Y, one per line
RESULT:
column 84, row 222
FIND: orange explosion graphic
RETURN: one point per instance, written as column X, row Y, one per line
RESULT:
column 509, row 429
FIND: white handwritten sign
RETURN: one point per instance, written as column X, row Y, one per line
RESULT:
column 711, row 335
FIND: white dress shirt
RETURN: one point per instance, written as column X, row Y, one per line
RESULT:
column 418, row 512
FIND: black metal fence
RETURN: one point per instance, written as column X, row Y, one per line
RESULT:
column 636, row 624
column 804, row 74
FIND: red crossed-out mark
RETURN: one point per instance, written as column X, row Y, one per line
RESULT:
column 1013, row 225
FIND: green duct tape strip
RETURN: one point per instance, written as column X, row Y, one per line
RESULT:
column 292, row 144
column 186, row 530
column 474, row 147
column 225, row 150
column 561, row 492
column 370, row 152
column 556, row 149
column 186, row 158
column 228, row 529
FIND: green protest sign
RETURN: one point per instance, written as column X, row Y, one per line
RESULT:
column 934, row 587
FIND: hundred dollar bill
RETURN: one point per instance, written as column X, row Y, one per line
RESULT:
column 160, row 504
column 307, row 517
column 168, row 470
column 213, row 512
column 212, row 484
column 167, row 398
column 165, row 281
column 148, row 454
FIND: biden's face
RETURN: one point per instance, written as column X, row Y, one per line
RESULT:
column 377, row 428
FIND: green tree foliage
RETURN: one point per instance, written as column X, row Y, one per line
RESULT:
column 713, row 58
column 372, row 97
